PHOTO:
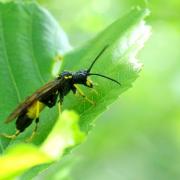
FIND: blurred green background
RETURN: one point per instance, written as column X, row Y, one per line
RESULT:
column 138, row 137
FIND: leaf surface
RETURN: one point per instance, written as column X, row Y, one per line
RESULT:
column 125, row 37
column 31, row 40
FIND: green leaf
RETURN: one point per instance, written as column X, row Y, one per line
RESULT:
column 125, row 37
column 20, row 158
column 66, row 133
column 30, row 41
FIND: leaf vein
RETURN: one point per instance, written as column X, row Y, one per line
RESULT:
column 36, row 65
column 8, row 62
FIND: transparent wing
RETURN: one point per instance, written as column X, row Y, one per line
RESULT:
column 47, row 88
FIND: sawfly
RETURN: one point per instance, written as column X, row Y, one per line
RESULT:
column 49, row 94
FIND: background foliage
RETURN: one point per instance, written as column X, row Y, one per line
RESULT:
column 138, row 137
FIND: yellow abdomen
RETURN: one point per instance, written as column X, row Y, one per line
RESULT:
column 34, row 110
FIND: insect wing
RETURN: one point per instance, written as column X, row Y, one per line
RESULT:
column 31, row 99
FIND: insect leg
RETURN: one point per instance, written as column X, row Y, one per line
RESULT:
column 34, row 131
column 94, row 91
column 60, row 101
column 83, row 95
column 11, row 136
column 22, row 123
column 37, row 121
column 59, row 107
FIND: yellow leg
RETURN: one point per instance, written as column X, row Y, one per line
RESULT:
column 36, row 126
column 94, row 91
column 83, row 95
column 59, row 108
column 34, row 132
column 11, row 136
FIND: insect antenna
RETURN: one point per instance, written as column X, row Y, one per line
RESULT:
column 105, row 77
column 97, row 57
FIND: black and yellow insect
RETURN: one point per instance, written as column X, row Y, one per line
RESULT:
column 48, row 95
